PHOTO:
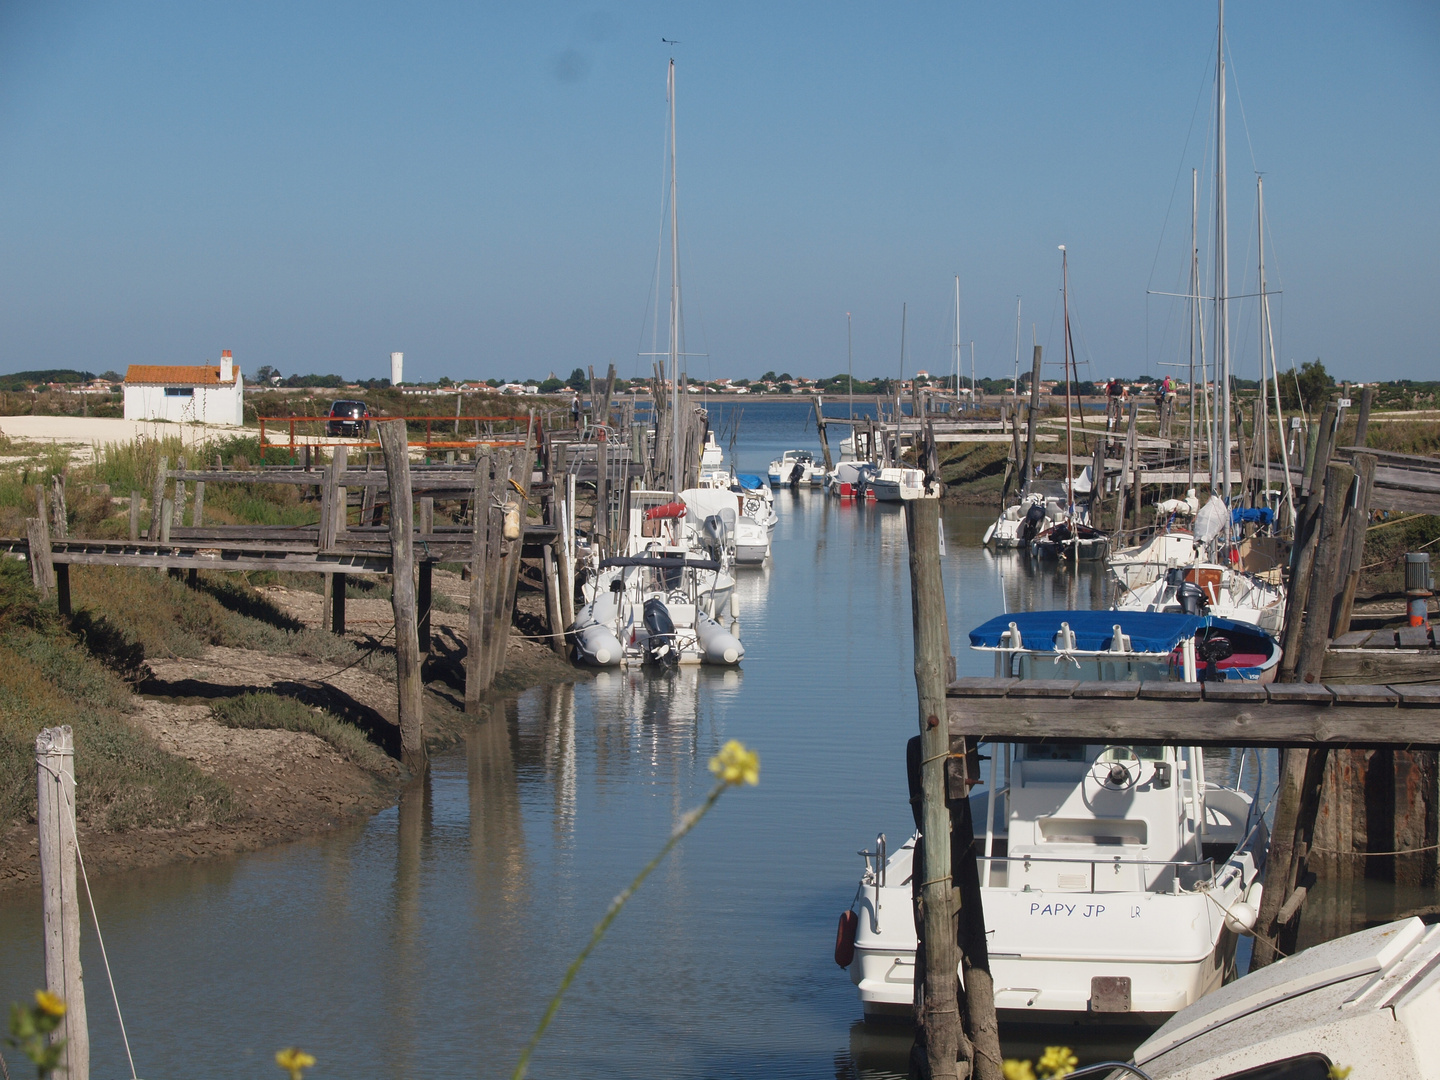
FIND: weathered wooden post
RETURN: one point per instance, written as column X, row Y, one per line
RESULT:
column 395, row 445
column 939, row 1014
column 1359, row 520
column 526, row 466
column 1362, row 418
column 474, row 651
column 1302, row 772
column 42, row 566
column 1127, row 461
column 197, row 512
column 157, row 495
column 427, row 588
column 55, row 815
column 134, row 515
column 59, row 510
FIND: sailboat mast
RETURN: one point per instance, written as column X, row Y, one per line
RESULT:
column 676, row 480
column 1016, row 389
column 957, row 346
column 850, row 367
column 1069, row 438
column 1194, row 302
column 1260, row 436
column 1222, row 260
column 1274, row 370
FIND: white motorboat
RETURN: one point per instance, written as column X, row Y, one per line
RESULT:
column 1367, row 1002
column 1115, row 879
column 849, row 479
column 714, row 473
column 1136, row 566
column 723, row 528
column 795, row 468
column 759, row 499
column 1214, row 589
column 897, row 485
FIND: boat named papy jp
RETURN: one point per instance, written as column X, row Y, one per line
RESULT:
column 1115, row 879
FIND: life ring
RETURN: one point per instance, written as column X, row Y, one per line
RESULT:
column 845, row 938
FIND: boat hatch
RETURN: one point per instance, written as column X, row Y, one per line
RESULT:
column 1098, row 831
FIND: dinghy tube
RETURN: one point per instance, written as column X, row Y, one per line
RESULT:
column 718, row 645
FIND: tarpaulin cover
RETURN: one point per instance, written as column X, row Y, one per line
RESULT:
column 751, row 481
column 1157, row 632
column 1261, row 514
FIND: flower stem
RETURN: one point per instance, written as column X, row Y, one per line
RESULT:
column 688, row 822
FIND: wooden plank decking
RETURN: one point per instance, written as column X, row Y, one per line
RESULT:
column 1196, row 714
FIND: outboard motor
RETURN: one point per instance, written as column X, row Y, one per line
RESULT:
column 1212, row 650
column 1033, row 517
column 660, row 644
column 797, row 474
column 713, row 530
column 1190, row 598
column 1175, row 577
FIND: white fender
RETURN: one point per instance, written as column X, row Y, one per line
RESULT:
column 985, row 540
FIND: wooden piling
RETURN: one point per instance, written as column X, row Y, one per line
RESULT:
column 1302, row 772
column 497, row 556
column 62, row 587
column 474, row 651
column 42, row 567
column 1362, row 417
column 55, row 816
column 1127, row 459
column 426, row 568
column 1354, row 557
column 157, row 495
column 393, row 442
column 939, row 1015
column 554, row 616
column 525, row 465
column 60, row 513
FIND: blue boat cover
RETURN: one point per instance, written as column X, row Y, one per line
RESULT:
column 1261, row 514
column 1149, row 631
column 750, row 480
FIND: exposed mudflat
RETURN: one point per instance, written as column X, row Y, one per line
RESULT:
column 289, row 784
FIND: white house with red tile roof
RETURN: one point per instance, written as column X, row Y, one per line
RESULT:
column 186, row 393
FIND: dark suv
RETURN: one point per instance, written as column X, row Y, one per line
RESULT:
column 348, row 418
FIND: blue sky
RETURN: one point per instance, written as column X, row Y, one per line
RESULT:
column 314, row 185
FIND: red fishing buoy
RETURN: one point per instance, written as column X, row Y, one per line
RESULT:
column 845, row 938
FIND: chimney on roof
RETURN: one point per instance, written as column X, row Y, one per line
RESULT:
column 227, row 367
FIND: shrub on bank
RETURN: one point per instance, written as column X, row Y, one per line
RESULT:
column 47, row 679
column 267, row 710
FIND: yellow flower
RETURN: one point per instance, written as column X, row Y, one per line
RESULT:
column 1339, row 1072
column 1017, row 1070
column 294, row 1061
column 1057, row 1061
column 51, row 1004
column 735, row 764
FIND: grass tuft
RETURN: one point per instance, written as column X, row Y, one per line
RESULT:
column 271, row 711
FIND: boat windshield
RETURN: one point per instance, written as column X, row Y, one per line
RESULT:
column 1071, row 750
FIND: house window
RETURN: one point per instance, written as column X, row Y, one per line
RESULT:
column 179, row 391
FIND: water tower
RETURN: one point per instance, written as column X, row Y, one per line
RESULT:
column 397, row 368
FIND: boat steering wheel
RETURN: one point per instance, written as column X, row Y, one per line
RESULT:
column 1116, row 775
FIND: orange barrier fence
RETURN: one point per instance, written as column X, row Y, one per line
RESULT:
column 454, row 442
